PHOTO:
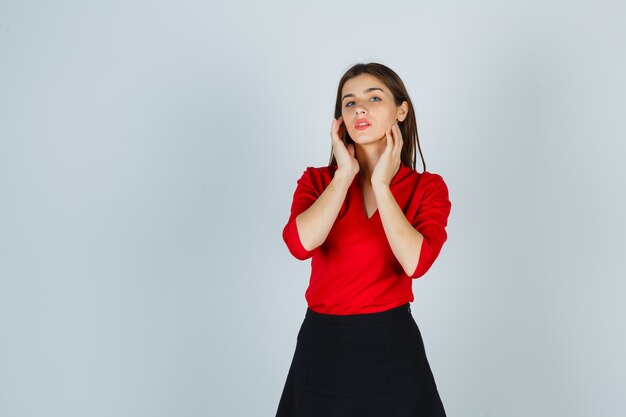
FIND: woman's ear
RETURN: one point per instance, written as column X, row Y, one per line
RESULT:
column 404, row 111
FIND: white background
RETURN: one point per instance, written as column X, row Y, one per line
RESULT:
column 149, row 151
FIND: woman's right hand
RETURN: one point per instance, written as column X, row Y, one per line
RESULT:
column 346, row 161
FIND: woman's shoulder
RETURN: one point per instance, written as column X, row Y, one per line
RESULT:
column 320, row 172
column 317, row 177
column 423, row 177
column 432, row 183
column 424, row 181
column 431, row 176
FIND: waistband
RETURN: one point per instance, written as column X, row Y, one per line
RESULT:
column 364, row 318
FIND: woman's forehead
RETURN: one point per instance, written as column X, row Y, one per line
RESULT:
column 363, row 85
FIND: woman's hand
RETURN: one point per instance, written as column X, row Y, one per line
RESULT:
column 346, row 161
column 389, row 162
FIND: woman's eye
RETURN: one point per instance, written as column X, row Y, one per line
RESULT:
column 348, row 103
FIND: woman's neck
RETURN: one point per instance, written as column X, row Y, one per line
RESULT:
column 368, row 157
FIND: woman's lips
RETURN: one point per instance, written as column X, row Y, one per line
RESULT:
column 358, row 122
column 362, row 120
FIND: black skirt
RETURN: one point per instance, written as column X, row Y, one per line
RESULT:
column 361, row 365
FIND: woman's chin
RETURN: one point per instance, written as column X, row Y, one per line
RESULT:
column 364, row 139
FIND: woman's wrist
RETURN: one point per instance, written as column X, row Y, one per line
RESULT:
column 345, row 174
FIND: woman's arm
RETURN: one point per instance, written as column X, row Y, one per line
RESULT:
column 416, row 242
column 404, row 239
column 314, row 223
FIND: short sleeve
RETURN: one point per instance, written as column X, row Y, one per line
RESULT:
column 431, row 220
column 305, row 195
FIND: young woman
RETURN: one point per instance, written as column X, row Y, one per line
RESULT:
column 371, row 224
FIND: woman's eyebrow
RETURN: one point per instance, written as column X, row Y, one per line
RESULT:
column 364, row 91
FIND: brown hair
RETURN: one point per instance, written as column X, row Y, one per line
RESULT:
column 408, row 127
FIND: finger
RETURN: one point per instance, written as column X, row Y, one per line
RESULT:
column 397, row 145
column 398, row 136
column 337, row 125
column 334, row 130
column 394, row 137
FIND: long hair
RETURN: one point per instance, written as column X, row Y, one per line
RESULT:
column 408, row 127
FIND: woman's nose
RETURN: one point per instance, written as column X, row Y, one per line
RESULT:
column 359, row 110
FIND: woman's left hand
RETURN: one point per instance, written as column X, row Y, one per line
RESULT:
column 389, row 162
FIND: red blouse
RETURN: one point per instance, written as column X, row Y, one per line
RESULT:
column 355, row 271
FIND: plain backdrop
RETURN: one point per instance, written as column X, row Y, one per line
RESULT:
column 149, row 151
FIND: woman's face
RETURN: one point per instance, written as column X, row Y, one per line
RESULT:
column 366, row 97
